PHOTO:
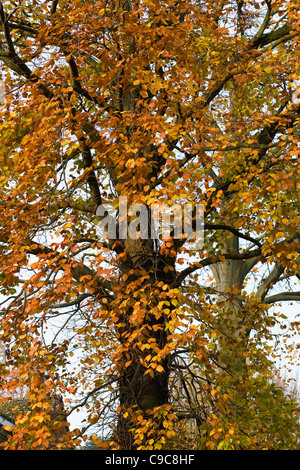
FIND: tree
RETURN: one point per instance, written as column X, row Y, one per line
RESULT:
column 153, row 102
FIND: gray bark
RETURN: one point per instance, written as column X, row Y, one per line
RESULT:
column 231, row 274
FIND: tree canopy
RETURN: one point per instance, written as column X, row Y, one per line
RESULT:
column 164, row 345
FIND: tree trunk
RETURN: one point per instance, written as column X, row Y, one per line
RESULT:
column 140, row 390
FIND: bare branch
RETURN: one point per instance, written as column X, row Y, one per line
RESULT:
column 5, row 27
column 76, row 301
column 76, row 84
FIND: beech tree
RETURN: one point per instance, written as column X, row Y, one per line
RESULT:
column 179, row 101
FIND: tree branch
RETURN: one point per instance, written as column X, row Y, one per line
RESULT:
column 23, row 27
column 258, row 40
column 5, row 27
column 265, row 39
column 91, row 177
column 15, row 63
column 232, row 230
column 54, row 7
column 91, row 393
column 266, row 283
column 76, row 301
column 212, row 260
column 102, row 287
column 283, row 297
column 76, row 84
column 264, row 24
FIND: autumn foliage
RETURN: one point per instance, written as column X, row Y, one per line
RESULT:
column 160, row 102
